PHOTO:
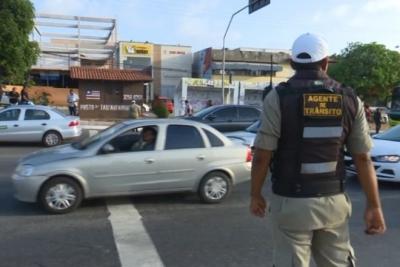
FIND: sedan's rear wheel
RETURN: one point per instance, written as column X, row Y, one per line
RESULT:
column 52, row 138
column 60, row 195
column 215, row 187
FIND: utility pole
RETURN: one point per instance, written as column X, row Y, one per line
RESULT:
column 253, row 6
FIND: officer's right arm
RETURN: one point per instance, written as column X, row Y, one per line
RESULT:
column 265, row 143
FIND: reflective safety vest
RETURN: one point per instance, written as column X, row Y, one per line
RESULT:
column 316, row 119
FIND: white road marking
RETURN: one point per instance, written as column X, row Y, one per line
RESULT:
column 134, row 245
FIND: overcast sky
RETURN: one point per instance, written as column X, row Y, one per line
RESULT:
column 202, row 23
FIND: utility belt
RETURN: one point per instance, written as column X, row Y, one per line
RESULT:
column 309, row 189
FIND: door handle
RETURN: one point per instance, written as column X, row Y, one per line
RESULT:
column 201, row 157
column 149, row 161
column 15, row 125
column 44, row 124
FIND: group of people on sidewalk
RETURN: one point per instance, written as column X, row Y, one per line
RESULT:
column 16, row 98
column 187, row 109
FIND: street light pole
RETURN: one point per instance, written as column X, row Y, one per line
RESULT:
column 223, row 52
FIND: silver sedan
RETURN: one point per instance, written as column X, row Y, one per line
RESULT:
column 29, row 123
column 134, row 157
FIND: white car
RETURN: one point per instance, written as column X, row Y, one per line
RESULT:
column 27, row 123
column 385, row 156
column 247, row 136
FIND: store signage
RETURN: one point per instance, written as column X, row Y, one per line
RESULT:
column 137, row 49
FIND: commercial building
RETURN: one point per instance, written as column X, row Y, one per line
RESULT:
column 167, row 64
column 251, row 69
column 71, row 41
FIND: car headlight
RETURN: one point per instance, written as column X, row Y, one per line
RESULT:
column 25, row 170
column 387, row 158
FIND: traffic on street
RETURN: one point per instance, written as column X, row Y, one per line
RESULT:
column 162, row 230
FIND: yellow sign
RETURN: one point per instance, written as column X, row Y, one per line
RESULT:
column 322, row 105
column 137, row 49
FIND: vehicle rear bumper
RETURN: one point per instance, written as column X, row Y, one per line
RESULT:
column 73, row 132
column 241, row 172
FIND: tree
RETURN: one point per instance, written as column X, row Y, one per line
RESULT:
column 371, row 69
column 17, row 52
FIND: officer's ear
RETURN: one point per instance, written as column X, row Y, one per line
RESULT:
column 324, row 64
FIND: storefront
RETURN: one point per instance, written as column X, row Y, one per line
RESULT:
column 108, row 93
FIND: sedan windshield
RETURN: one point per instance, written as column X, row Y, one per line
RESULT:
column 104, row 134
column 393, row 134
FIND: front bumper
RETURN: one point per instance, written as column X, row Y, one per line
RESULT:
column 26, row 189
column 384, row 171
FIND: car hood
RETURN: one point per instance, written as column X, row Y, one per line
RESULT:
column 385, row 147
column 51, row 154
column 245, row 137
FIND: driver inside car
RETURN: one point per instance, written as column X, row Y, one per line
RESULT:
column 147, row 140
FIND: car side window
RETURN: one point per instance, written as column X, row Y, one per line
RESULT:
column 214, row 140
column 36, row 114
column 183, row 136
column 10, row 115
column 225, row 114
column 248, row 114
column 136, row 139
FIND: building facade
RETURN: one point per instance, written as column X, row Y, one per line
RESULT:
column 254, row 70
column 167, row 64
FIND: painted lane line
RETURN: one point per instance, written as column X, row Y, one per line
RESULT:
column 133, row 243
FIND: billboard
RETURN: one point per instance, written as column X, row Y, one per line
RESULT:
column 139, row 49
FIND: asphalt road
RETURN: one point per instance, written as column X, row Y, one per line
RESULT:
column 184, row 232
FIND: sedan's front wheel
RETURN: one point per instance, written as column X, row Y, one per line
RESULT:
column 60, row 195
column 215, row 187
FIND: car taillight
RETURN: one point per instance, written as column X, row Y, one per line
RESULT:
column 73, row 123
column 249, row 155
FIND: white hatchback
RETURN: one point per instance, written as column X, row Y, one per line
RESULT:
column 27, row 123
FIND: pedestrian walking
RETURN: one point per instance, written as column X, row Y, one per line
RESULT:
column 377, row 120
column 188, row 109
column 72, row 101
column 14, row 96
column 135, row 110
column 305, row 124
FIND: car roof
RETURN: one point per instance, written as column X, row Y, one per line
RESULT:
column 30, row 106
column 180, row 121
column 167, row 121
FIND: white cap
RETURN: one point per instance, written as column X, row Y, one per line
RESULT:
column 310, row 47
column 134, row 101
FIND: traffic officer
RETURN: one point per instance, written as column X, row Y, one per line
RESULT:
column 305, row 125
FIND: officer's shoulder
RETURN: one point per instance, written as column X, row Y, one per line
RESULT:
column 282, row 88
column 343, row 87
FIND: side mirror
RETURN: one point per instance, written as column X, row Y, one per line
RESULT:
column 107, row 148
column 211, row 117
